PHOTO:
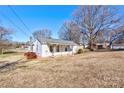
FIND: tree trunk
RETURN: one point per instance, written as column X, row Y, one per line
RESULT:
column 110, row 45
column 91, row 45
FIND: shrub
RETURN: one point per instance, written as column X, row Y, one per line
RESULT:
column 80, row 51
column 30, row 55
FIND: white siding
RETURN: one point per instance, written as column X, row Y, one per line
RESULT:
column 117, row 46
column 76, row 48
column 44, row 51
column 37, row 48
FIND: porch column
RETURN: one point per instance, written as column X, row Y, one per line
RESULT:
column 72, row 50
column 54, row 49
column 60, row 48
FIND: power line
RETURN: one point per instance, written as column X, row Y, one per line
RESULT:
column 6, row 17
column 14, row 12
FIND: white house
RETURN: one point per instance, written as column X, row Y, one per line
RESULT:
column 118, row 44
column 52, row 47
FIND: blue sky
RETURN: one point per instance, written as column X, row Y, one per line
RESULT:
column 38, row 17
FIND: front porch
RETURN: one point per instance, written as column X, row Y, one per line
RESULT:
column 60, row 49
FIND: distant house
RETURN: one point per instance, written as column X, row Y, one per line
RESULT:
column 118, row 44
column 52, row 47
column 101, row 45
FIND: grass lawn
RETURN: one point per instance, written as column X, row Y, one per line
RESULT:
column 91, row 69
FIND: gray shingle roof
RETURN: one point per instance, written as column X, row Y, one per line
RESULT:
column 56, row 41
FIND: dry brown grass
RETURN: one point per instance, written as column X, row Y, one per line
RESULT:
column 92, row 69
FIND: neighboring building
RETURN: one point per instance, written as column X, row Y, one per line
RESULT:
column 101, row 45
column 53, row 47
column 118, row 44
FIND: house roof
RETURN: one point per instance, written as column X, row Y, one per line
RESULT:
column 56, row 41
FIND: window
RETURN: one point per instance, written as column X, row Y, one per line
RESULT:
column 100, row 46
column 51, row 48
column 57, row 48
column 66, row 49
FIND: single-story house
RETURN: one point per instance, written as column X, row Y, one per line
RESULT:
column 101, row 45
column 52, row 47
column 117, row 46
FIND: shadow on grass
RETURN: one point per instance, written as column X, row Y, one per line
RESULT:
column 11, row 66
column 107, row 50
column 117, row 49
column 9, row 52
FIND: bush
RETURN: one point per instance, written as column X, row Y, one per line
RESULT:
column 80, row 51
column 30, row 55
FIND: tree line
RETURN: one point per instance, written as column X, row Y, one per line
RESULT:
column 90, row 24
column 6, row 40
column 93, row 23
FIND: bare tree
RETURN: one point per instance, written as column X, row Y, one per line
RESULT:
column 100, row 38
column 5, row 33
column 94, row 19
column 115, row 35
column 70, row 31
column 44, row 33
column 4, row 38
